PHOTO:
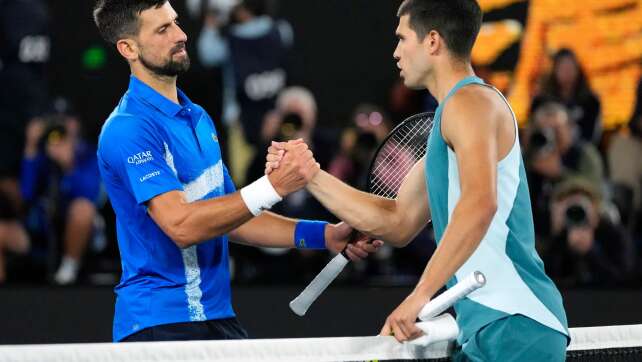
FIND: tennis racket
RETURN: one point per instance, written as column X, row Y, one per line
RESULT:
column 398, row 153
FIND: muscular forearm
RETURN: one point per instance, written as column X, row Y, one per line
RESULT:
column 469, row 223
column 266, row 230
column 192, row 223
column 375, row 216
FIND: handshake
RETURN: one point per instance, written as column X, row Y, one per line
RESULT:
column 290, row 166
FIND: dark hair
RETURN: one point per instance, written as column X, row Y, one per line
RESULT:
column 54, row 130
column 256, row 7
column 552, row 87
column 457, row 21
column 116, row 19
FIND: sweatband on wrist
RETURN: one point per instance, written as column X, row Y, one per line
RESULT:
column 260, row 195
column 310, row 234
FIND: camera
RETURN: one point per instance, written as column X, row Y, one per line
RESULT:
column 55, row 131
column 291, row 124
column 576, row 215
column 542, row 139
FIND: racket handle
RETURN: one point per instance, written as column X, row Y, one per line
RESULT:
column 446, row 299
column 300, row 304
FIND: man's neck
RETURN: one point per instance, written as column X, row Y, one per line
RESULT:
column 446, row 77
column 164, row 85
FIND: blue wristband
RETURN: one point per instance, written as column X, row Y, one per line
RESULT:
column 310, row 234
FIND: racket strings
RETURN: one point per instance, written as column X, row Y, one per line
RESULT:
column 398, row 145
column 402, row 150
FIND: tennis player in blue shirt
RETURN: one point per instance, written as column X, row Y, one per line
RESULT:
column 174, row 201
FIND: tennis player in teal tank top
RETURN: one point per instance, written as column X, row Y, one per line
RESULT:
column 473, row 185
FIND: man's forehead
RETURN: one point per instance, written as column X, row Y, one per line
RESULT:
column 403, row 24
column 157, row 16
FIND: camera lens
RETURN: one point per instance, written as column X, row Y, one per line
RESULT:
column 541, row 139
column 576, row 215
column 291, row 123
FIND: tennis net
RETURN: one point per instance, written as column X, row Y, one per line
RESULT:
column 613, row 343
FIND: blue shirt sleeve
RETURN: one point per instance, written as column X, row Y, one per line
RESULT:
column 136, row 153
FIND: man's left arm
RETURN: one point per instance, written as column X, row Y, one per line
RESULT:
column 276, row 231
column 470, row 127
column 271, row 230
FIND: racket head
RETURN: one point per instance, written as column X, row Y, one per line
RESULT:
column 398, row 153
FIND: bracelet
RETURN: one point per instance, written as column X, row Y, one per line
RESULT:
column 310, row 234
column 260, row 195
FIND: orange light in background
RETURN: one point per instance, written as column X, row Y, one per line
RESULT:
column 606, row 35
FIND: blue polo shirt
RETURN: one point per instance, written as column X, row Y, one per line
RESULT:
column 148, row 146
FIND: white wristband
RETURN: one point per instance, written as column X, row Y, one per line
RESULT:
column 260, row 195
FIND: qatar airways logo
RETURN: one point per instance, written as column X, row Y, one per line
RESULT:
column 140, row 158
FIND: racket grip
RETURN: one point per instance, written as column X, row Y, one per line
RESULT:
column 446, row 299
column 300, row 304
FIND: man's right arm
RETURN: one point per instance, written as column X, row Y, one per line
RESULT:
column 130, row 148
column 190, row 223
column 396, row 222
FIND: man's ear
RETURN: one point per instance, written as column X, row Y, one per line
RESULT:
column 433, row 42
column 128, row 49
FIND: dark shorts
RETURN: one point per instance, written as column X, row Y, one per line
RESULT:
column 206, row 330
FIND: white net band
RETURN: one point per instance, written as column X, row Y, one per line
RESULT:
column 300, row 350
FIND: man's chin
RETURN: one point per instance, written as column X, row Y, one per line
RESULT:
column 412, row 85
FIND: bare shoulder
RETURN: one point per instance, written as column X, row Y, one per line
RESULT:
column 479, row 115
column 473, row 110
column 474, row 100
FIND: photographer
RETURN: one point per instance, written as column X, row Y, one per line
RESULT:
column 587, row 248
column 294, row 117
column 359, row 143
column 552, row 155
column 25, row 44
column 253, row 51
column 60, row 182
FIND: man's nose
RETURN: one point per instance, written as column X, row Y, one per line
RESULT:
column 181, row 36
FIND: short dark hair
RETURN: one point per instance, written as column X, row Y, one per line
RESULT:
column 457, row 21
column 117, row 19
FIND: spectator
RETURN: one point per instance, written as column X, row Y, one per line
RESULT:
column 626, row 168
column 61, row 169
column 587, row 248
column 253, row 51
column 359, row 141
column 568, row 85
column 553, row 155
column 24, row 53
column 610, row 56
column 294, row 117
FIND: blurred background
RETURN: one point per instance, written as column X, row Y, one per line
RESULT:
column 323, row 71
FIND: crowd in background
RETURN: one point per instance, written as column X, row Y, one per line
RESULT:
column 56, row 225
